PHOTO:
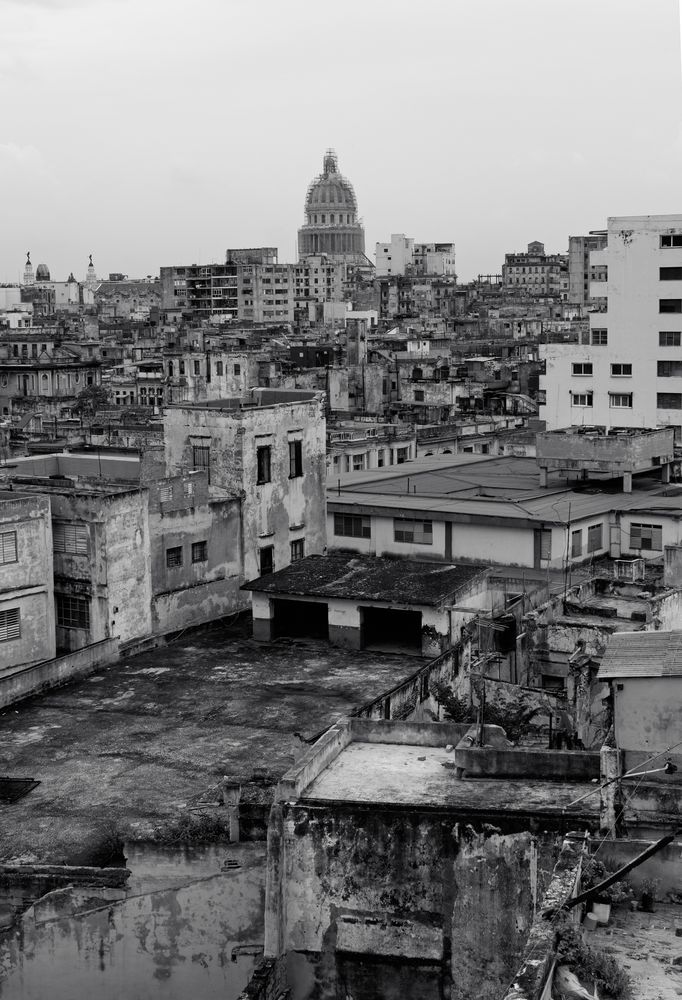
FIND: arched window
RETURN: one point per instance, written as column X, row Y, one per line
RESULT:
column 170, row 368
column 331, row 217
column 219, row 368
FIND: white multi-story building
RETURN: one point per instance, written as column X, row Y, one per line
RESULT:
column 403, row 256
column 630, row 372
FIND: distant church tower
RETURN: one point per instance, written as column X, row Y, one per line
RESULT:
column 331, row 223
column 91, row 277
column 29, row 276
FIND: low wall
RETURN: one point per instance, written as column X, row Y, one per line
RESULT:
column 534, row 975
column 663, row 866
column 417, row 734
column 543, row 765
column 413, row 697
column 314, row 761
column 23, row 682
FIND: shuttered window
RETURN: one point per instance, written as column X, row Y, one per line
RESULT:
column 594, row 537
column 647, row 537
column 8, row 547
column 10, row 624
column 70, row 537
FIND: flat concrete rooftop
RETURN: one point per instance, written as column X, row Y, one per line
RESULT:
column 404, row 775
column 126, row 748
column 644, row 944
column 369, row 578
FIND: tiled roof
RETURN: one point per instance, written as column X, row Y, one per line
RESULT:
column 642, row 654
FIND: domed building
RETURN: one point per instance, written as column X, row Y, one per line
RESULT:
column 42, row 272
column 332, row 226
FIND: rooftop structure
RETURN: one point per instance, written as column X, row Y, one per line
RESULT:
column 609, row 451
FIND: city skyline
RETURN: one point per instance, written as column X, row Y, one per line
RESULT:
column 183, row 141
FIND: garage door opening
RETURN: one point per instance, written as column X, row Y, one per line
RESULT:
column 389, row 629
column 300, row 619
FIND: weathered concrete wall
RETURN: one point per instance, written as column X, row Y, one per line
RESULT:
column 543, row 765
column 275, row 513
column 188, row 925
column 27, row 583
column 197, row 590
column 23, row 682
column 647, row 714
column 433, row 902
column 128, row 550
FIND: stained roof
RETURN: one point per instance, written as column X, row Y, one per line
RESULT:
column 369, row 578
column 642, row 654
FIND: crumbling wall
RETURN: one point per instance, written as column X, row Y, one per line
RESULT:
column 436, row 902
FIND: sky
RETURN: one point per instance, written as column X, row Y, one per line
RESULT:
column 157, row 132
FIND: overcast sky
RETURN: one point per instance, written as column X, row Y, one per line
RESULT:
column 154, row 132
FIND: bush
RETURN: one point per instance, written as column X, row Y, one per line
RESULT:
column 590, row 966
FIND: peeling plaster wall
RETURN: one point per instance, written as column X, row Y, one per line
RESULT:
column 195, row 592
column 186, row 926
column 275, row 513
column 27, row 584
column 114, row 574
column 366, row 887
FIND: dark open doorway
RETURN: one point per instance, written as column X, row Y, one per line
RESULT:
column 390, row 628
column 300, row 619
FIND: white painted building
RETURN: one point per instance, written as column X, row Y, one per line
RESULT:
column 403, row 256
column 630, row 372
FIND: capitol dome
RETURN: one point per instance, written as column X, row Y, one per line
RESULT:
column 42, row 272
column 331, row 217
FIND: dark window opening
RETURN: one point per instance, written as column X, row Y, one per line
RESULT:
column 174, row 556
column 295, row 459
column 72, row 612
column 263, row 464
column 267, row 560
column 199, row 552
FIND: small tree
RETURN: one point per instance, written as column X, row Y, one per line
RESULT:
column 91, row 399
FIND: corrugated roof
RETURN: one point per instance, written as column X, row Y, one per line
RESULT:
column 642, row 654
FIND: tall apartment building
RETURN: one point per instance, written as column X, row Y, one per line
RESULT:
column 630, row 372
column 260, row 292
column 403, row 256
column 536, row 272
column 580, row 270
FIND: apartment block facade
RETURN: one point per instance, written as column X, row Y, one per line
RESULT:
column 629, row 374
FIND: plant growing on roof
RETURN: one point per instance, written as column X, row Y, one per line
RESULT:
column 597, row 969
column 595, row 871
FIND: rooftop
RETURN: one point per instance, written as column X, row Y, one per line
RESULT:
column 369, row 578
column 417, row 776
column 126, row 748
column 644, row 945
column 642, row 654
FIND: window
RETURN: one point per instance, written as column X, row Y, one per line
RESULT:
column 671, row 240
column 670, row 273
column 295, row 459
column 170, row 369
column 201, row 458
column 666, row 369
column 415, row 532
column 199, row 552
column 419, row 395
column 189, row 489
column 670, row 338
column 576, row 543
column 621, row 370
column 352, row 526
column 620, row 400
column 181, row 367
column 237, row 369
column 166, row 492
column 8, row 547
column 70, row 537
column 669, row 400
column 197, row 368
column 72, row 612
column 297, row 549
column 174, row 556
column 581, row 398
column 581, row 368
column 648, row 537
column 10, row 624
column 670, row 305
column 263, row 463
column 219, row 368
column 267, row 560
column 600, row 338
column 594, row 536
